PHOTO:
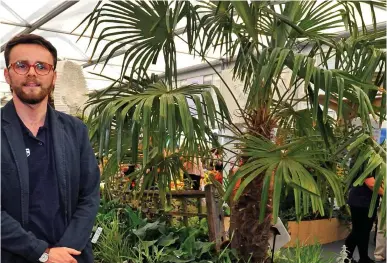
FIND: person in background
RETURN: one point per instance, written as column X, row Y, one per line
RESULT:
column 215, row 157
column 194, row 168
column 219, row 172
column 49, row 173
column 359, row 202
column 380, row 246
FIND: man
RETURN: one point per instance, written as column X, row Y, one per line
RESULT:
column 50, row 177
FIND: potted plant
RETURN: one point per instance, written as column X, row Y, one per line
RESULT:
column 315, row 228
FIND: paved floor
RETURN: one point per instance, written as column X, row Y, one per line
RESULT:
column 335, row 248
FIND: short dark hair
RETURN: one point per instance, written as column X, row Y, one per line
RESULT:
column 218, row 166
column 29, row 39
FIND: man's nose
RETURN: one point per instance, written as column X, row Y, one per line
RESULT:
column 31, row 71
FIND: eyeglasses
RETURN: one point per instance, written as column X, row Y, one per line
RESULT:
column 22, row 67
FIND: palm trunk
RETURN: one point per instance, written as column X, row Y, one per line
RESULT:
column 250, row 238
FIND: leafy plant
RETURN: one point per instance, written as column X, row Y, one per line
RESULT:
column 152, row 121
column 128, row 237
column 312, row 254
column 114, row 210
column 291, row 166
column 368, row 154
column 112, row 245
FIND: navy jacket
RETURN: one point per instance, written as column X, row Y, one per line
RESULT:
column 78, row 178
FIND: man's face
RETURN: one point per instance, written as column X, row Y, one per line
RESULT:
column 30, row 88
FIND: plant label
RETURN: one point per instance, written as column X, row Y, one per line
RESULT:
column 96, row 235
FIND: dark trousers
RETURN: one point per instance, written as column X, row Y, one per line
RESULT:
column 360, row 234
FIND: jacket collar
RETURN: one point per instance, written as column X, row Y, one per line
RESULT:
column 8, row 112
column 14, row 135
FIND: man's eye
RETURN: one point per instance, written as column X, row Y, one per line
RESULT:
column 40, row 66
column 21, row 65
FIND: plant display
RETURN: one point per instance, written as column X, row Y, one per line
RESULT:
column 154, row 122
column 126, row 235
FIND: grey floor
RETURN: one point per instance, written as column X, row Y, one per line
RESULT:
column 335, row 248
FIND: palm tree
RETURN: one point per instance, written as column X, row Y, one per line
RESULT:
column 263, row 39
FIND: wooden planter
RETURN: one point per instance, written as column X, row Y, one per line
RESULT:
column 321, row 231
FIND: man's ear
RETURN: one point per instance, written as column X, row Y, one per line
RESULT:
column 54, row 79
column 6, row 76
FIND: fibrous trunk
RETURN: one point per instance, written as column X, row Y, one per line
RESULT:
column 250, row 238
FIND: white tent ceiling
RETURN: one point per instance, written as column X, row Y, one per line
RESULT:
column 56, row 19
column 20, row 15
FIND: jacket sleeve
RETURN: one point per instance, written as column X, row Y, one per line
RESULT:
column 77, row 233
column 18, row 241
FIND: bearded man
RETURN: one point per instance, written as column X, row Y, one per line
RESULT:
column 49, row 174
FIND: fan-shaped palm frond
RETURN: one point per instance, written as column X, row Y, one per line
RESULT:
column 144, row 30
column 291, row 165
column 146, row 116
column 369, row 159
column 303, row 24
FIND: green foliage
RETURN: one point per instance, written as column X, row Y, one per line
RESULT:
column 369, row 160
column 112, row 245
column 311, row 254
column 292, row 164
column 147, row 28
column 115, row 210
column 290, row 215
column 127, row 236
column 264, row 39
column 148, row 122
column 301, row 254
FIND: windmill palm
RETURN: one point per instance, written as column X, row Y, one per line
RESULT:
column 263, row 39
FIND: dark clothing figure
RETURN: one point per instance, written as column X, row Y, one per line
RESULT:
column 359, row 236
column 68, row 173
column 359, row 201
column 46, row 214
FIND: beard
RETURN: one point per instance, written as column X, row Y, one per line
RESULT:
column 32, row 95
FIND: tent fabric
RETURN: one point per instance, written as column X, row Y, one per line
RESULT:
column 19, row 15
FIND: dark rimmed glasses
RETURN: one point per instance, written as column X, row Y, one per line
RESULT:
column 22, row 67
